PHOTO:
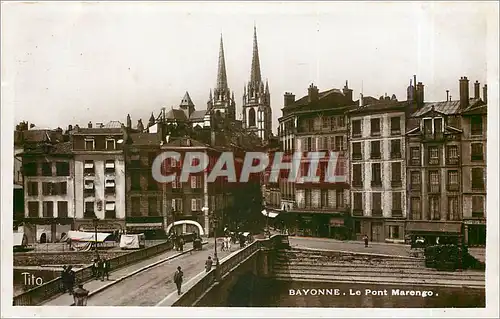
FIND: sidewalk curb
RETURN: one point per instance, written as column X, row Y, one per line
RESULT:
column 135, row 272
column 357, row 253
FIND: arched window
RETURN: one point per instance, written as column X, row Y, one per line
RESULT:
column 251, row 117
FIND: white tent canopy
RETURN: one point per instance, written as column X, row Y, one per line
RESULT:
column 269, row 214
column 20, row 239
column 86, row 237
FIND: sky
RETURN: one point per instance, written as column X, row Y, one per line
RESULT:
column 71, row 63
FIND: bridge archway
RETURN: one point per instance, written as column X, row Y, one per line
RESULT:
column 201, row 232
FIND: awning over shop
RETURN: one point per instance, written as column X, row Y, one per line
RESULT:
column 269, row 214
column 86, row 237
column 20, row 239
column 144, row 226
column 110, row 183
column 110, row 165
column 89, row 165
column 336, row 222
column 110, row 206
column 433, row 227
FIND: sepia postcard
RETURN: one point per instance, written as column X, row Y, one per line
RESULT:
column 249, row 159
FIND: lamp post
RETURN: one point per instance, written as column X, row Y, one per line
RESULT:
column 95, row 234
column 214, row 221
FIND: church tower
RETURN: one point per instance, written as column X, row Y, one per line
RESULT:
column 222, row 102
column 257, row 115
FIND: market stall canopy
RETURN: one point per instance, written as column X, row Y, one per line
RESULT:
column 20, row 239
column 87, row 237
column 269, row 214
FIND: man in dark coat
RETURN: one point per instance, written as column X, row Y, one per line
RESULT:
column 64, row 278
column 105, row 269
column 71, row 277
column 178, row 279
column 208, row 264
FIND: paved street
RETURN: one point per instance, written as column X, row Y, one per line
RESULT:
column 354, row 246
column 153, row 285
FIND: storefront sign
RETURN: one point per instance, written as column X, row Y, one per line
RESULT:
column 336, row 222
column 475, row 222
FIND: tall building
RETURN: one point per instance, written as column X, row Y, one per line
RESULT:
column 378, row 177
column 446, row 168
column 99, row 177
column 317, row 122
column 257, row 112
column 222, row 104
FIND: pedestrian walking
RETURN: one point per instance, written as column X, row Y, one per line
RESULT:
column 95, row 268
column 100, row 269
column 71, row 277
column 178, row 279
column 242, row 240
column 105, row 269
column 80, row 296
column 208, row 264
column 64, row 278
column 228, row 243
column 365, row 238
column 181, row 244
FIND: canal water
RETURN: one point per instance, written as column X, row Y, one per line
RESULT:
column 273, row 293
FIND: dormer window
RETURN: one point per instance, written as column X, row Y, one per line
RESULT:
column 89, row 144
column 110, row 144
column 432, row 126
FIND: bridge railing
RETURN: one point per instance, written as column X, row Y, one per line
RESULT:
column 198, row 289
column 50, row 289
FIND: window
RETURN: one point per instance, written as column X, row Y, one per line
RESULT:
column 453, row 212
column 433, row 155
column 30, row 169
column 308, row 198
column 325, row 143
column 340, row 121
column 88, row 188
column 176, row 184
column 415, row 208
column 62, row 209
column 48, row 209
column 477, row 206
column 60, row 188
column 415, row 180
column 453, row 181
column 377, row 204
column 476, row 125
column 357, row 179
column 356, row 151
column 358, row 203
column 46, row 169
column 376, row 175
column 396, row 204
column 88, row 168
column 109, row 188
column 177, row 204
column 438, row 126
column 32, row 188
column 135, row 181
column 333, row 123
column 476, row 152
column 33, row 209
column 434, row 186
column 195, row 204
column 396, row 174
column 153, row 206
column 434, row 209
column 452, row 154
column 110, row 211
column 396, row 148
column 47, row 188
column 415, row 156
column 393, row 232
column 110, row 144
column 395, row 125
column 136, row 206
column 339, row 198
column 305, row 144
column 152, row 183
column 375, row 127
column 151, row 158
column 357, row 227
column 477, row 178
column 110, row 167
column 427, row 127
column 356, row 128
column 89, row 210
column 375, row 149
column 324, row 198
column 62, row 168
column 89, row 144
column 326, row 122
column 196, row 182
column 339, row 142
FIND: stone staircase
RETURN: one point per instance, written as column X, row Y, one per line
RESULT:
column 336, row 266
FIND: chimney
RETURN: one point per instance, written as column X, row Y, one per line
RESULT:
column 99, row 125
column 485, row 94
column 420, row 94
column 360, row 99
column 464, row 92
column 447, row 95
column 289, row 98
column 313, row 93
column 70, row 128
column 90, row 124
column 415, row 98
column 476, row 90
column 347, row 92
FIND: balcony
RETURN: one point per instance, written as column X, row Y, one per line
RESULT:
column 377, row 213
column 375, row 133
column 477, row 186
column 357, row 212
column 395, row 154
column 434, row 161
column 453, row 187
column 356, row 134
column 476, row 157
column 452, row 161
column 375, row 155
column 429, row 137
column 376, row 183
column 415, row 162
column 396, row 183
column 434, row 188
column 477, row 214
column 357, row 183
column 395, row 131
column 357, row 156
column 416, row 187
column 477, row 132
column 397, row 213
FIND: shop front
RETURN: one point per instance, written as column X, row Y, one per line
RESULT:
column 395, row 231
column 435, row 232
column 151, row 227
column 114, row 226
column 318, row 224
column 372, row 227
column 475, row 232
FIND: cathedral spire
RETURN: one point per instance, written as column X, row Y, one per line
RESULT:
column 255, row 72
column 221, row 73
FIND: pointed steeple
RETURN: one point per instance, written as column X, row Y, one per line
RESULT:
column 267, row 87
column 210, row 96
column 221, row 72
column 255, row 76
column 129, row 121
column 186, row 101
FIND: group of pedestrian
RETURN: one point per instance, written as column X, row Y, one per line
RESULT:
column 100, row 268
column 68, row 278
column 226, row 243
column 178, row 242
